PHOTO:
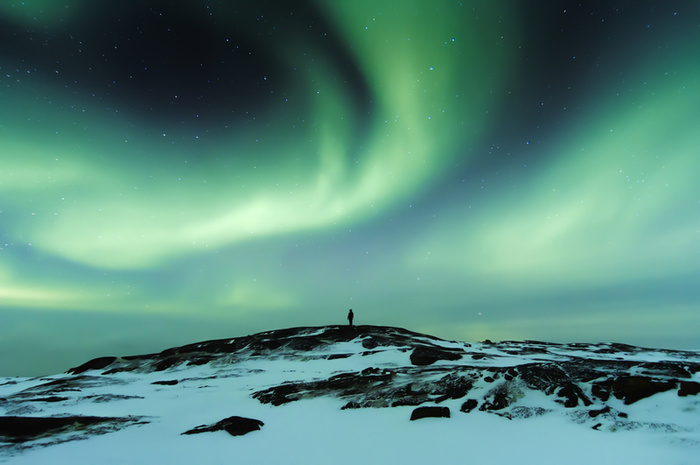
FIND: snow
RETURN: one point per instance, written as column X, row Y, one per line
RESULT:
column 317, row 430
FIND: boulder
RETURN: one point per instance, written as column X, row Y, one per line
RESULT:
column 430, row 412
column 166, row 382
column 595, row 413
column 94, row 364
column 634, row 388
column 235, row 426
column 689, row 388
column 422, row 356
column 469, row 405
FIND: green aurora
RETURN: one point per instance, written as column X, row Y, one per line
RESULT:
column 443, row 166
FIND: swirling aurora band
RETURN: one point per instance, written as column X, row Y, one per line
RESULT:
column 439, row 164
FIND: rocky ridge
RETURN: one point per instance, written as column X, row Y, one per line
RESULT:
column 362, row 367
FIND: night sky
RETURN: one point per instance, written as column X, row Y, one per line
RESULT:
column 176, row 171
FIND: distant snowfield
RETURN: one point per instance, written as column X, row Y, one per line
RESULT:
column 663, row 428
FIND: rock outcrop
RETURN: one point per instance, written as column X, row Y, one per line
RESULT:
column 20, row 429
column 430, row 412
column 363, row 367
column 235, row 426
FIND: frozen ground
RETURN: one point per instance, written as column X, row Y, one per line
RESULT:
column 334, row 395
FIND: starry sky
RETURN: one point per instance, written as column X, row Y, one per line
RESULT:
column 177, row 171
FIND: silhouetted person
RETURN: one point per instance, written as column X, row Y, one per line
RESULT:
column 350, row 316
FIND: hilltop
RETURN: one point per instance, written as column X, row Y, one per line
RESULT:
column 368, row 391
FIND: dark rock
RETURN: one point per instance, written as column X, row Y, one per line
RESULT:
column 489, row 379
column 572, row 393
column 595, row 413
column 422, row 356
column 351, row 405
column 570, row 398
column 169, row 382
column 545, row 377
column 498, row 401
column 304, row 344
column 370, row 371
column 618, row 347
column 689, row 388
column 110, row 397
column 56, row 386
column 200, row 360
column 427, row 350
column 525, row 350
column 498, row 398
column 23, row 429
column 602, row 390
column 526, row 412
column 430, row 412
column 235, row 426
column 452, row 386
column 634, row 388
column 372, row 387
column 117, row 370
column 671, row 369
column 469, row 405
column 412, row 400
column 167, row 363
column 48, row 399
column 279, row 395
column 406, row 395
column 94, row 364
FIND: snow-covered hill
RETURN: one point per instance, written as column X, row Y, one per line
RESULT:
column 366, row 394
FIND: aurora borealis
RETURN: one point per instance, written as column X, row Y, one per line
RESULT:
column 174, row 171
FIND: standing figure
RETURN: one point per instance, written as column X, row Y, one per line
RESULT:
column 350, row 316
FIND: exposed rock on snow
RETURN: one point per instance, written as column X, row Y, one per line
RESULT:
column 94, row 364
column 593, row 385
column 65, row 428
column 469, row 405
column 235, row 426
column 633, row 388
column 428, row 355
column 430, row 412
column 689, row 388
